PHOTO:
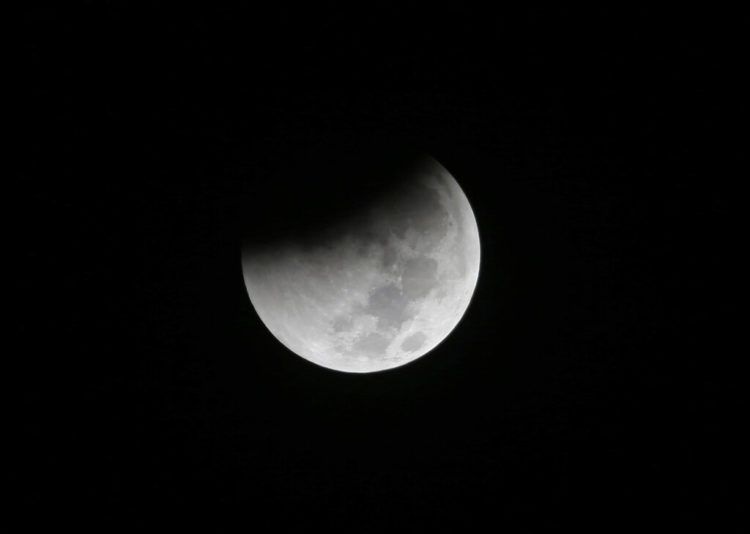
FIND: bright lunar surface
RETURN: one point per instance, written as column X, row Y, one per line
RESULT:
column 381, row 289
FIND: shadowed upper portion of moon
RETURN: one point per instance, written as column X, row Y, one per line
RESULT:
column 331, row 189
column 376, row 283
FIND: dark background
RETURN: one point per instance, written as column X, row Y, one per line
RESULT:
column 587, row 383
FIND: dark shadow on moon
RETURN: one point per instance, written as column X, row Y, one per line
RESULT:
column 332, row 188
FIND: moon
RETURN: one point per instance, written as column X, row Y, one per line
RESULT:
column 380, row 289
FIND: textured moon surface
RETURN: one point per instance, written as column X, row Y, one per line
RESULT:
column 380, row 290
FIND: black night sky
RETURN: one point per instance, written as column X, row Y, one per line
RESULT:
column 587, row 383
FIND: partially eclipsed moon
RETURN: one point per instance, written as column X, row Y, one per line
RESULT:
column 379, row 291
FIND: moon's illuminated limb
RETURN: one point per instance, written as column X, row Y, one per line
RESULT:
column 381, row 292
